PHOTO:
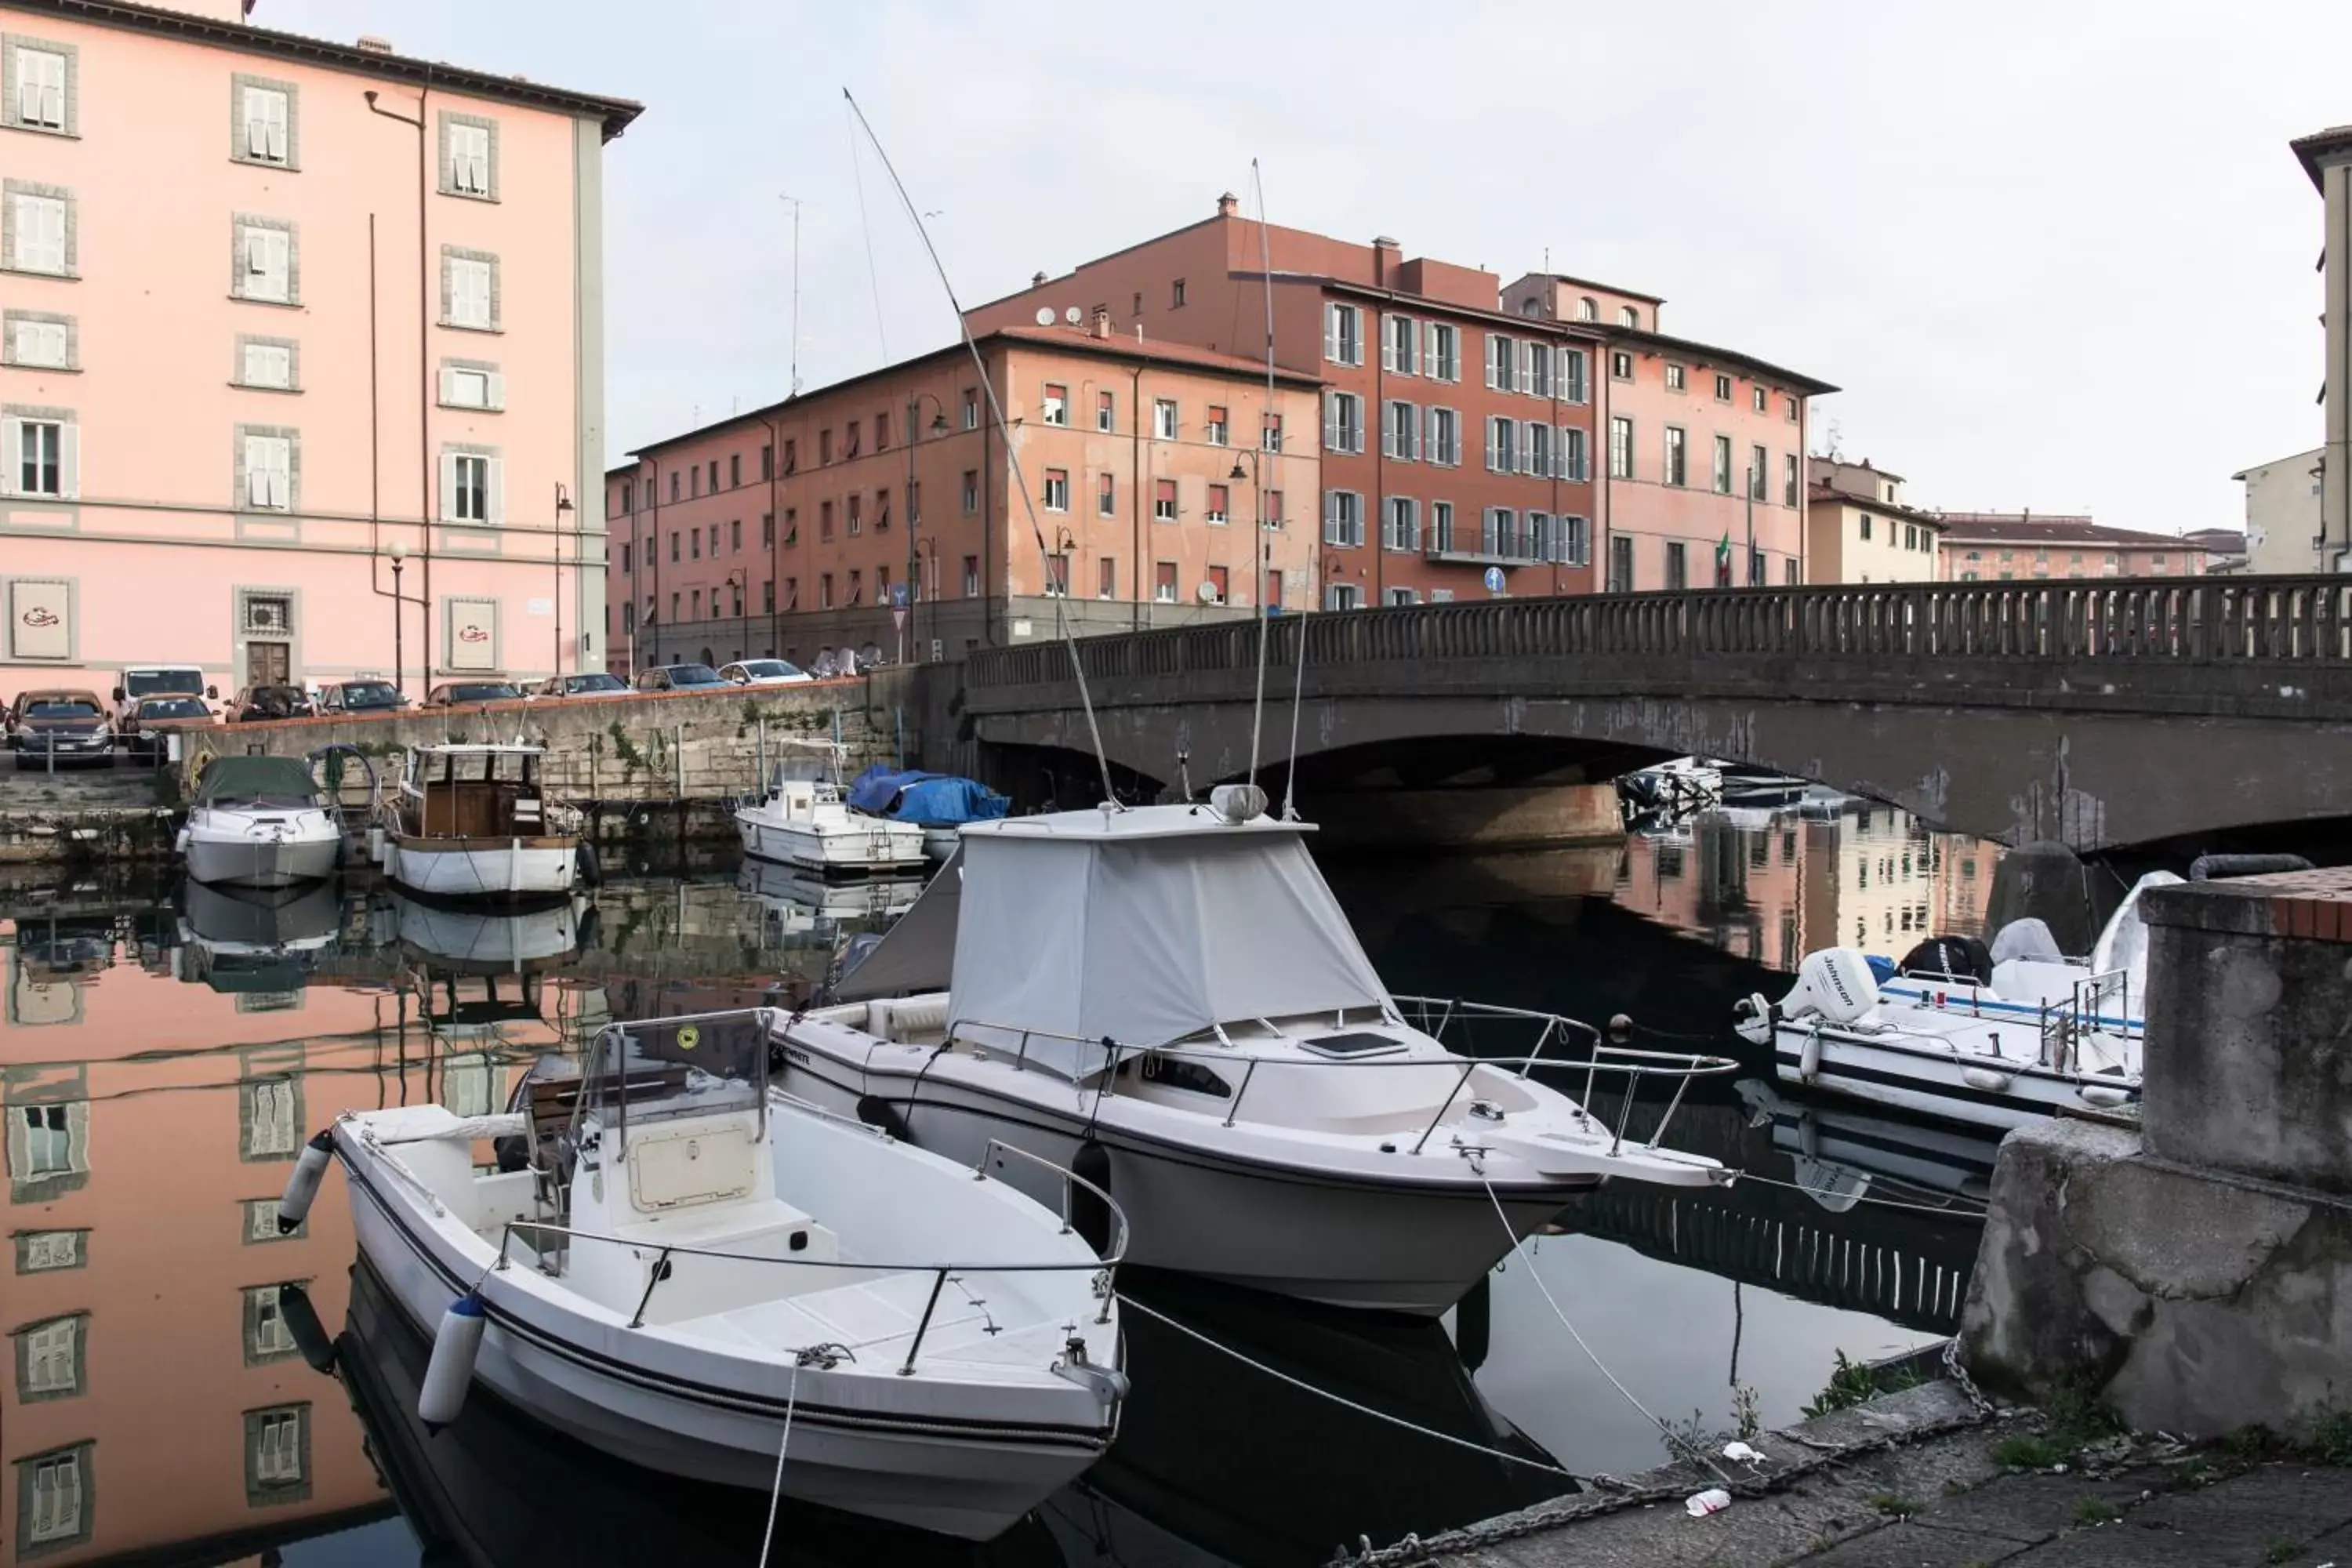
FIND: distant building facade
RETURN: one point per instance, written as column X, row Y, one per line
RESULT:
column 2225, row 548
column 2326, row 157
column 2285, row 526
column 795, row 530
column 1860, row 530
column 2000, row 547
column 208, row 464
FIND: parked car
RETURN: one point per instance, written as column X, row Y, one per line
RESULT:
column 678, row 678
column 140, row 680
column 361, row 697
column 591, row 683
column 257, row 703
column 764, row 672
column 60, row 726
column 146, row 732
column 461, row 693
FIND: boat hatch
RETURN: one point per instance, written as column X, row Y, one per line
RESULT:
column 1353, row 1043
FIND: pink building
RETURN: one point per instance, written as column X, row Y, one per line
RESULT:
column 2005, row 546
column 278, row 312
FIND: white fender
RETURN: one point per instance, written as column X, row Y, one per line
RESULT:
column 1985, row 1079
column 456, row 1345
column 2106, row 1095
column 1809, row 1060
column 303, row 1186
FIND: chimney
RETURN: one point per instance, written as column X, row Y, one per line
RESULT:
column 374, row 45
column 1228, row 205
column 1387, row 256
column 1102, row 321
column 1036, row 281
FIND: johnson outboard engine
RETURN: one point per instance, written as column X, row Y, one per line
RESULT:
column 1833, row 985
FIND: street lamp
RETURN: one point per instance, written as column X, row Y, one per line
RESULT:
column 914, row 523
column 562, row 507
column 399, row 553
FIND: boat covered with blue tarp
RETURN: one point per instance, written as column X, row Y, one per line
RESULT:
column 939, row 803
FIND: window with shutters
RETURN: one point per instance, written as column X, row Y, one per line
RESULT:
column 41, row 453
column 1269, row 432
column 1106, row 496
column 1536, row 455
column 1441, row 526
column 1215, row 428
column 276, row 1454
column 1573, row 462
column 1054, row 407
column 1759, row 472
column 1220, row 582
column 38, row 340
column 49, row 1359
column 267, row 461
column 41, row 229
column 261, row 124
column 267, row 363
column 1343, row 422
column 472, row 383
column 1677, row 464
column 1502, row 363
column 1444, row 446
column 1445, row 358
column 1343, row 518
column 1789, row 479
column 1542, row 362
column 1163, row 500
column 1401, row 524
column 53, row 1492
column 1400, row 432
column 1500, row 535
column 1502, row 445
column 1220, row 509
column 1343, row 596
column 471, row 480
column 41, row 86
column 1400, row 346
column 1572, row 385
column 1722, row 471
column 1163, row 581
column 1343, row 334
column 1575, row 539
column 1621, row 447
column 265, row 261
column 469, row 157
column 469, row 290
column 1536, row 542
column 1271, row 516
column 1164, row 419
column 1106, row 412
column 1058, row 490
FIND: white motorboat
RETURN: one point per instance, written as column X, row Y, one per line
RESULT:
column 799, row 906
column 685, row 1263
column 483, row 941
column 1169, row 1000
column 1842, row 1154
column 259, row 822
column 2000, row 1038
column 804, row 820
column 473, row 822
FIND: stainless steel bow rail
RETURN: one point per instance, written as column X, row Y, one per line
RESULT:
column 1104, row 1267
column 1633, row 1065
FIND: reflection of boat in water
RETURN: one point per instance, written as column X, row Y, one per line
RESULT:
column 475, row 941
column 796, row 902
column 1238, row 1466
column 1840, row 1153
column 497, row 1489
column 256, row 939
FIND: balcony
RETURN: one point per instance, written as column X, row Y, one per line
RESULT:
column 1517, row 549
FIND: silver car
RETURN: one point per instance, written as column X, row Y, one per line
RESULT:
column 764, row 672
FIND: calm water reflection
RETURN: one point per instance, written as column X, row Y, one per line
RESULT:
column 165, row 1052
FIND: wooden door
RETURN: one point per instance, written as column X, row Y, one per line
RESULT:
column 269, row 663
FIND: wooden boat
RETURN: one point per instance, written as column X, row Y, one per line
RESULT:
column 472, row 822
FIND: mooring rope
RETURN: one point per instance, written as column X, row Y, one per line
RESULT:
column 791, row 1396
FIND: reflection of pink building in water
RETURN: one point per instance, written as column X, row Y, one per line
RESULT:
column 273, row 306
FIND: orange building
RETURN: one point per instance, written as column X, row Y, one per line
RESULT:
column 2023, row 546
column 793, row 530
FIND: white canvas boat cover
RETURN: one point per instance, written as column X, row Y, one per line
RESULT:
column 918, row 952
column 2123, row 944
column 1144, row 926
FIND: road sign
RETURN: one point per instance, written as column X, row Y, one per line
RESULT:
column 1494, row 579
column 898, row 596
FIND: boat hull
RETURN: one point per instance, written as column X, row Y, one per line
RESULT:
column 975, row 1487
column 885, row 849
column 493, row 869
column 1934, row 1081
column 240, row 862
column 1392, row 1247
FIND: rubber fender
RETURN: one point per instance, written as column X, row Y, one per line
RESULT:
column 1089, row 1215
column 456, row 1344
column 310, row 1336
column 303, row 1186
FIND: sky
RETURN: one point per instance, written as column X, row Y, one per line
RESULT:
column 2056, row 256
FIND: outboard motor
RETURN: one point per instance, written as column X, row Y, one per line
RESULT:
column 1833, row 985
column 1953, row 957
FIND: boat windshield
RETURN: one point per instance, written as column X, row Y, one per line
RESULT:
column 688, row 1066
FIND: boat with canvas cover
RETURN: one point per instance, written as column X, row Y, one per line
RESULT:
column 1169, row 1000
column 939, row 804
column 259, row 822
column 681, row 1262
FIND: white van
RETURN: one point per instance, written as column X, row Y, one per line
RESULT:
column 158, row 680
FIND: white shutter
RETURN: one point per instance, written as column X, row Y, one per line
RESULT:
column 1490, row 442
column 12, row 454
column 1524, row 370
column 41, row 233
column 69, row 461
column 497, row 468
column 1331, row 332
column 274, row 117
column 448, row 385
column 1413, row 434
column 1388, row 343
column 1436, row 366
column 450, row 486
column 497, row 394
column 1331, row 517
column 1491, row 342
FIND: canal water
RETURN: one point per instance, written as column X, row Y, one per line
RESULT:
column 166, row 1051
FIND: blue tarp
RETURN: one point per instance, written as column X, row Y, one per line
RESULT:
column 933, row 800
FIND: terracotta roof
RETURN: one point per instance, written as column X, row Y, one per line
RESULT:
column 615, row 112
column 2011, row 528
column 1886, row 509
column 2310, row 149
column 1709, row 352
column 1607, row 288
column 2216, row 540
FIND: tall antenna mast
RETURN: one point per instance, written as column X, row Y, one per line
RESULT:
column 1012, row 452
column 1259, row 546
column 795, row 203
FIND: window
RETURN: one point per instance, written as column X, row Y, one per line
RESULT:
column 1444, row 445
column 1343, row 596
column 1539, row 537
column 469, row 157
column 265, row 261
column 1789, row 479
column 40, row 96
column 1676, row 378
column 734, row 470
column 1723, row 465
column 1164, row 419
column 1343, row 422
column 1444, row 361
column 1535, row 449
column 1400, row 344
column 673, row 547
column 1105, row 411
column 1108, row 587
column 1630, row 317
column 971, row 494
column 854, row 515
column 469, row 290
column 735, row 536
column 791, row 456
column 1106, row 496
column 1400, row 432
column 43, row 454
column 265, row 122
column 1163, row 581
column 1756, row 573
column 1588, row 309
column 1677, row 469
column 268, row 464
column 1620, row 365
column 823, row 591
column 44, row 342
column 1057, row 493
column 49, row 1359
column 1269, row 432
column 1220, row 504
column 1574, row 462
column 768, row 461
column 471, row 385
column 1163, row 500
column 696, row 595
column 1866, row 525
column 267, row 1337
column 1723, row 389
column 276, row 1454
column 882, row 431
column 42, row 1251
column 1499, row 536
column 51, row 1491
column 1401, row 524
column 1762, row 399
column 1574, row 540
column 1273, row 515
column 767, row 531
column 1621, row 447
column 970, row 412
column 694, row 480
column 1621, row 563
column 1502, row 364
column 1760, row 468
column 1911, row 540
column 1441, row 526
column 1400, row 597
column 1057, row 576
column 1343, row 518
column 1541, row 363
column 1572, row 388
column 1677, row 564
column 852, row 442
column 1792, row 410
column 1343, row 334
column 673, row 602
column 1217, row 426
column 1502, row 444
column 768, row 597
column 1056, row 404
column 972, row 577
column 1220, row 581
column 1176, row 295
column 471, row 484
column 1274, row 589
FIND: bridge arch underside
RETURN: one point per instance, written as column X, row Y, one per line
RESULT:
column 2092, row 780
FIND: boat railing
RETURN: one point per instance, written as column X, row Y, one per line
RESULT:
column 1617, row 1062
column 1104, row 1266
column 2085, row 1010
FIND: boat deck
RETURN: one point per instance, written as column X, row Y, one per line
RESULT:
column 877, row 1319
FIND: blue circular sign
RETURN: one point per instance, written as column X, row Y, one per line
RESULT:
column 1494, row 579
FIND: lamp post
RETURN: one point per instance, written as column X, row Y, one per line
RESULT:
column 399, row 552
column 563, row 508
column 914, row 561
